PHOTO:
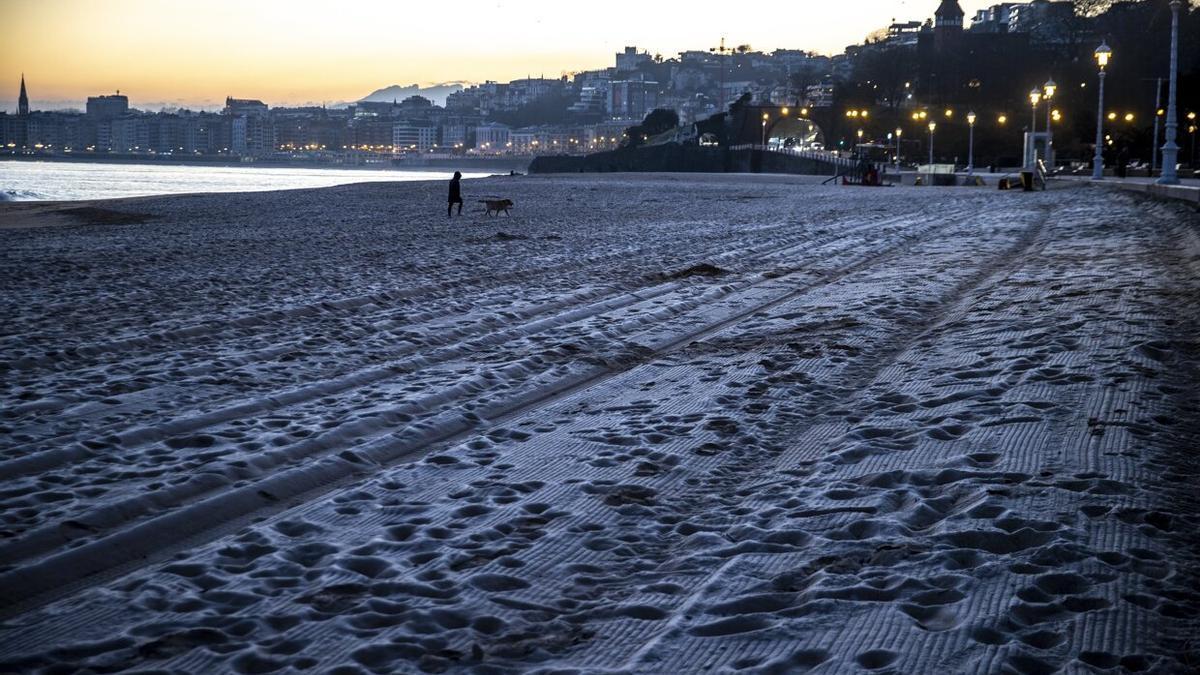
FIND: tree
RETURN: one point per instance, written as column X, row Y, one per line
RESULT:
column 882, row 74
column 1091, row 7
column 658, row 121
column 803, row 78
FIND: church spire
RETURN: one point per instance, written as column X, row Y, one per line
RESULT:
column 23, row 101
column 949, row 9
column 950, row 14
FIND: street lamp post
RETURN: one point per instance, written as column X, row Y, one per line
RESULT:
column 1170, row 151
column 1158, row 112
column 971, row 143
column 1035, row 95
column 1048, row 90
column 1192, row 130
column 1103, row 54
column 898, row 132
column 932, row 127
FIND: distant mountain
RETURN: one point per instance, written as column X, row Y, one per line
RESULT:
column 436, row 93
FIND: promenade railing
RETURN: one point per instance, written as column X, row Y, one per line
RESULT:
column 836, row 160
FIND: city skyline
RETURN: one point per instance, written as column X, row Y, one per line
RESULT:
column 288, row 53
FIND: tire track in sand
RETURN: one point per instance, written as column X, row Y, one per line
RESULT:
column 31, row 461
column 153, row 537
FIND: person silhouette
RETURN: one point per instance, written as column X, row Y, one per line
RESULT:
column 455, row 195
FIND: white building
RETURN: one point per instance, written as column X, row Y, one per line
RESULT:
column 456, row 136
column 994, row 19
column 608, row 134
column 904, row 34
column 527, row 140
column 251, row 133
column 632, row 98
column 519, row 93
column 491, row 138
column 591, row 100
column 410, row 136
column 631, row 59
column 239, row 135
column 129, row 134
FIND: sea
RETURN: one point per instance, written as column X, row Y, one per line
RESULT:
column 40, row 181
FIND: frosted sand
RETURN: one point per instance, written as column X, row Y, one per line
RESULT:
column 649, row 424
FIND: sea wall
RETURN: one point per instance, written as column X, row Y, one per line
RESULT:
column 675, row 157
column 671, row 158
column 758, row 161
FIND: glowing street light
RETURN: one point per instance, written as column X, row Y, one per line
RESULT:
column 1035, row 95
column 1192, row 131
column 1103, row 53
column 932, row 127
column 971, row 143
column 1048, row 90
column 898, row 132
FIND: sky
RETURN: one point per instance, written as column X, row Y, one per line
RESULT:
column 196, row 52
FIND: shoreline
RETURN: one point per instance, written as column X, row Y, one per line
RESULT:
column 34, row 181
column 183, row 160
column 668, row 177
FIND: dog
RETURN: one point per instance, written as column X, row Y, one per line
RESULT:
column 496, row 205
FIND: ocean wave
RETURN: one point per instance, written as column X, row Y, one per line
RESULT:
column 20, row 196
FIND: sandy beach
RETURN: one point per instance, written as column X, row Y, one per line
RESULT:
column 646, row 424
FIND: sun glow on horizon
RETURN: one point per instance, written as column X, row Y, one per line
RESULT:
column 308, row 51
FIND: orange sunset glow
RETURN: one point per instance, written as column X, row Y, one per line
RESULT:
column 302, row 51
